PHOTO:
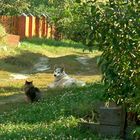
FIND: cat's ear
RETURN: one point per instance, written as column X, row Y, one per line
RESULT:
column 26, row 82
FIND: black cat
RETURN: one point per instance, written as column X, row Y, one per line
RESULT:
column 33, row 93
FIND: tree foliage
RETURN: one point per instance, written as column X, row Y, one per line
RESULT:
column 113, row 26
column 76, row 20
column 38, row 7
column 120, row 61
column 13, row 7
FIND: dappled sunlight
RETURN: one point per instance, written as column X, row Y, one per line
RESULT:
column 17, row 76
column 4, row 75
column 60, row 111
column 65, row 66
column 35, row 62
column 35, row 131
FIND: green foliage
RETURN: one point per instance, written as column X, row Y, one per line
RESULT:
column 137, row 133
column 13, row 7
column 120, row 60
column 112, row 26
column 77, row 20
column 38, row 7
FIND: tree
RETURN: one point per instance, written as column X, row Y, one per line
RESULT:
column 120, row 61
column 38, row 7
column 76, row 20
column 112, row 26
column 13, row 7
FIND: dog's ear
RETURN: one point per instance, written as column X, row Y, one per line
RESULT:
column 55, row 66
column 62, row 67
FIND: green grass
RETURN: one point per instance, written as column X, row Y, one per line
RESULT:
column 23, row 59
column 57, row 116
column 58, row 48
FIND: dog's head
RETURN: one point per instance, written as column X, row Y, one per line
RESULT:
column 59, row 71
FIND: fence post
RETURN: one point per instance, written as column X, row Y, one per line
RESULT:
column 23, row 26
column 30, row 25
column 27, row 27
column 33, row 26
column 40, row 27
column 43, row 32
column 15, row 25
column 37, row 22
column 46, row 29
column 49, row 31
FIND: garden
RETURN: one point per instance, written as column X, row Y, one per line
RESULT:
column 97, row 42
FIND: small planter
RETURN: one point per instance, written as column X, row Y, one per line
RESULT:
column 111, row 122
column 93, row 127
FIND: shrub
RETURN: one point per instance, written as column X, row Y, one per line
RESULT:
column 120, row 59
column 113, row 27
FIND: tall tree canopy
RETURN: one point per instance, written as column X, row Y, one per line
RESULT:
column 13, row 7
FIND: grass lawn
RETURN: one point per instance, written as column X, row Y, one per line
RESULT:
column 57, row 116
column 40, row 53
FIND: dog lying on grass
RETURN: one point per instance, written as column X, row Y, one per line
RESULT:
column 32, row 93
column 63, row 80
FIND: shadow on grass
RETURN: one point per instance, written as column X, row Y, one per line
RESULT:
column 25, row 62
column 11, row 106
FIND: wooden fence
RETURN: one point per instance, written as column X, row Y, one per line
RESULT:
column 28, row 26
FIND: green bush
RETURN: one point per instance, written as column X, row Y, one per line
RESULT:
column 112, row 26
column 120, row 59
column 14, row 7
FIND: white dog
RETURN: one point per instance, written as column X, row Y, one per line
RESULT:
column 63, row 80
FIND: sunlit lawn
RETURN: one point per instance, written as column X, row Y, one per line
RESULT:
column 23, row 59
column 57, row 116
